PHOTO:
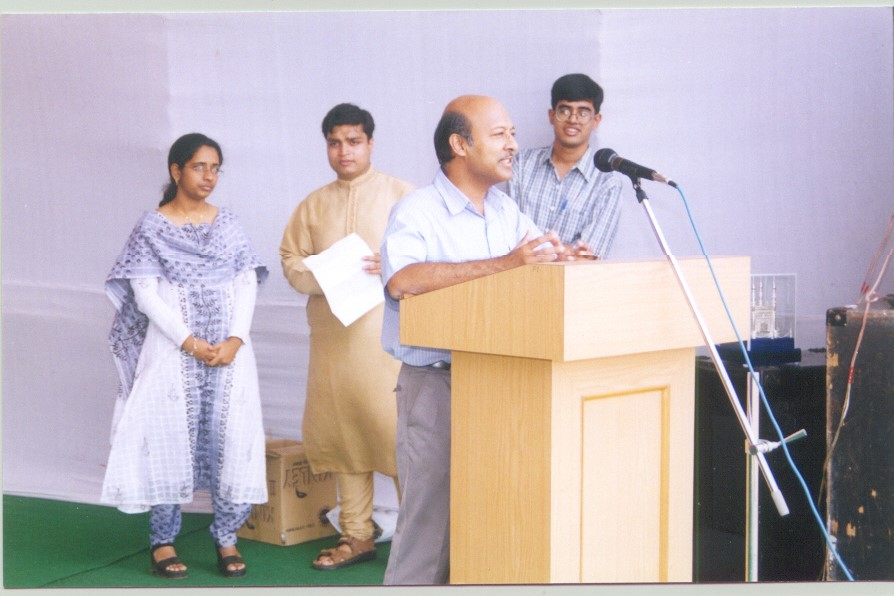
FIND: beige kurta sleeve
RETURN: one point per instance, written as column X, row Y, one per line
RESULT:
column 297, row 243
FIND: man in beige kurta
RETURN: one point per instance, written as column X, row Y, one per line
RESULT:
column 350, row 413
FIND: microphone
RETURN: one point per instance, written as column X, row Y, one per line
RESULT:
column 607, row 160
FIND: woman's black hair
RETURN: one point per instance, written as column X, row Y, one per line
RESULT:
column 181, row 152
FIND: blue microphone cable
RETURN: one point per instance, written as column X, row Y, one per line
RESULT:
column 764, row 400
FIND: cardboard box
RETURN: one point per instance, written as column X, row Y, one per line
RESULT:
column 297, row 500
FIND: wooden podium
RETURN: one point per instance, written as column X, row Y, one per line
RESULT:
column 573, row 416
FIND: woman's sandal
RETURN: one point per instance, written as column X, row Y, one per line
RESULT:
column 223, row 564
column 161, row 568
column 361, row 550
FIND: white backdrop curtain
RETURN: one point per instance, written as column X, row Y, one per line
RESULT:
column 778, row 124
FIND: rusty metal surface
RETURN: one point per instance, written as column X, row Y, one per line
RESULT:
column 860, row 503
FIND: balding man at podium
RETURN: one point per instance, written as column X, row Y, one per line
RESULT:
column 457, row 229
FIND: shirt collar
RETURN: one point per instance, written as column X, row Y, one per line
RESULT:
column 456, row 200
column 361, row 179
column 584, row 165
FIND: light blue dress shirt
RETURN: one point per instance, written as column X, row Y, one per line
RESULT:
column 438, row 223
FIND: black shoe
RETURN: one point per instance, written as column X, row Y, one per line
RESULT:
column 223, row 563
column 160, row 568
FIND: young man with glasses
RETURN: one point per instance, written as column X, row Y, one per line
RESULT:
column 558, row 186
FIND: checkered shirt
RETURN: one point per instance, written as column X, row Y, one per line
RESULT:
column 585, row 205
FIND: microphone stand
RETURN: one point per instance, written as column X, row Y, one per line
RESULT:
column 754, row 447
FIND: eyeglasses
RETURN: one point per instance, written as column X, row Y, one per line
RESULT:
column 202, row 169
column 584, row 115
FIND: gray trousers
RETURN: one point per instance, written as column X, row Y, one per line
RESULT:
column 420, row 548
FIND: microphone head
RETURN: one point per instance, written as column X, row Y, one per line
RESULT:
column 603, row 159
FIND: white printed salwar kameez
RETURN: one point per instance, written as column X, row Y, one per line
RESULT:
column 180, row 425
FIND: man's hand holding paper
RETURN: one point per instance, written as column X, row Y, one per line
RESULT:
column 347, row 272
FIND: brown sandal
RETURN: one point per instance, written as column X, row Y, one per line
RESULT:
column 361, row 550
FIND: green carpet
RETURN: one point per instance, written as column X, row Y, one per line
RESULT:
column 55, row 544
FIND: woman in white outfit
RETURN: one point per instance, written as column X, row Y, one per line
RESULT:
column 188, row 413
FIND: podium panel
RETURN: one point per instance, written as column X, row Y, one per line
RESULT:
column 500, row 487
column 624, row 488
column 587, row 465
column 580, row 309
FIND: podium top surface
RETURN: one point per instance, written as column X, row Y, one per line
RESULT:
column 581, row 309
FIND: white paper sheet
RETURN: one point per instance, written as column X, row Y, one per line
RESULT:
column 351, row 291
